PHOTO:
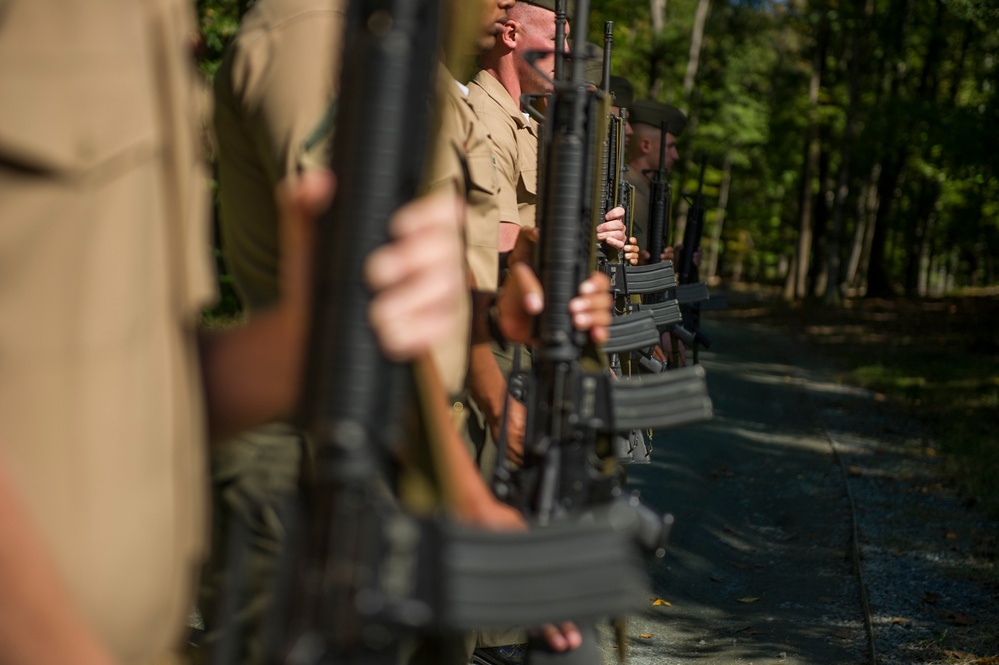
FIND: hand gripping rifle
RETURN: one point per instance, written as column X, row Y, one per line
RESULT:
column 359, row 573
column 573, row 403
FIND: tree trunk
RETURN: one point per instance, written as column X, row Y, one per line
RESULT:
column 929, row 84
column 878, row 281
column 856, row 247
column 891, row 147
column 873, row 205
column 716, row 233
column 820, row 225
column 791, row 277
column 811, row 157
column 696, row 39
column 832, row 295
column 658, row 12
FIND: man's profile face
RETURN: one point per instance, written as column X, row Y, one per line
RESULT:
column 672, row 154
column 495, row 14
column 536, row 33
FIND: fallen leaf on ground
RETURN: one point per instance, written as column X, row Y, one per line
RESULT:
column 960, row 619
column 953, row 654
column 898, row 620
column 660, row 601
column 646, row 636
column 748, row 630
column 749, row 599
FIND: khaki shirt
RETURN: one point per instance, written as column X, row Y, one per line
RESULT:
column 640, row 205
column 273, row 86
column 468, row 161
column 105, row 253
column 447, row 170
column 515, row 146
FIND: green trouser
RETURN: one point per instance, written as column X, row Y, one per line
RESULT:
column 480, row 440
column 477, row 434
column 254, row 477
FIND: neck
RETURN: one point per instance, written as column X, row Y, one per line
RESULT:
column 502, row 69
column 639, row 165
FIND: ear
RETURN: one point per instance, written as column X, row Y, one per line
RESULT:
column 511, row 31
column 646, row 145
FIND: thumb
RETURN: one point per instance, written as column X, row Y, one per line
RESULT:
column 531, row 295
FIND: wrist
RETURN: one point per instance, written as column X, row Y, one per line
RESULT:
column 493, row 324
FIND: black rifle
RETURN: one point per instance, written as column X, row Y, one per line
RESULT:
column 693, row 231
column 689, row 273
column 659, row 203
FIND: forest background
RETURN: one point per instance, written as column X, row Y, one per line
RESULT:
column 851, row 145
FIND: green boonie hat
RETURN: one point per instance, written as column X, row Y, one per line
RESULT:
column 622, row 90
column 570, row 7
column 655, row 113
column 547, row 4
column 593, row 70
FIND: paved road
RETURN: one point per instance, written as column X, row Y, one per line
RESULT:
column 759, row 567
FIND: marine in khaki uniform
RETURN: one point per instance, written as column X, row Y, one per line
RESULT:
column 515, row 139
column 495, row 93
column 646, row 117
column 106, row 266
column 275, row 81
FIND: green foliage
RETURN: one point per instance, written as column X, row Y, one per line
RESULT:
column 217, row 23
column 923, row 121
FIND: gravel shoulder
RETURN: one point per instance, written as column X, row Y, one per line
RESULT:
column 768, row 497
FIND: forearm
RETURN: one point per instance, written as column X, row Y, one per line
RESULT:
column 486, row 383
column 38, row 625
column 252, row 373
column 469, row 498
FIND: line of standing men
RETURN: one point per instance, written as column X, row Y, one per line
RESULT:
column 276, row 79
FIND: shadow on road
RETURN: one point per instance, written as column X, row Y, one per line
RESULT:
column 758, row 568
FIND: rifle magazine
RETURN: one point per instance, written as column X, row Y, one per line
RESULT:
column 651, row 278
column 672, row 399
column 632, row 331
column 565, row 571
column 665, row 313
column 687, row 294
